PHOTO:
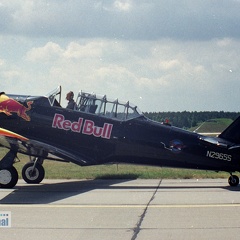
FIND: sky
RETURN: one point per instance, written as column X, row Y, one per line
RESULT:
column 161, row 55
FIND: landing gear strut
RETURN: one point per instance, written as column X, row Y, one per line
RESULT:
column 33, row 172
column 233, row 180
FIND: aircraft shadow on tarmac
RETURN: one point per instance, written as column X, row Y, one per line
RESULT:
column 52, row 192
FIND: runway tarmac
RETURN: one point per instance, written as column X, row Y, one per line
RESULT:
column 122, row 209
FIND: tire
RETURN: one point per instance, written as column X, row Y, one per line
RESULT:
column 8, row 177
column 30, row 176
column 233, row 181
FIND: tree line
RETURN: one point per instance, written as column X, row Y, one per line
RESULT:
column 187, row 119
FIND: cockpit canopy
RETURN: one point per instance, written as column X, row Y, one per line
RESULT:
column 99, row 105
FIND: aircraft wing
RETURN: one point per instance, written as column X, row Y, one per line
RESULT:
column 24, row 145
column 7, row 133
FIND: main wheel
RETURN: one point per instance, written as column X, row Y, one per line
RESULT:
column 233, row 180
column 8, row 177
column 31, row 175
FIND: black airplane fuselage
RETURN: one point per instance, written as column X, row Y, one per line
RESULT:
column 97, row 139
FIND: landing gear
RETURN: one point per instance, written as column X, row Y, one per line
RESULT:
column 233, row 180
column 8, row 173
column 33, row 172
column 8, row 177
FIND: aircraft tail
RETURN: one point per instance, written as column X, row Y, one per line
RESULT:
column 232, row 132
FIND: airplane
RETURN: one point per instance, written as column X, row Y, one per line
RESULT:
column 102, row 131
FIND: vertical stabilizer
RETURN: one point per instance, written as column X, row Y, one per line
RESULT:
column 232, row 132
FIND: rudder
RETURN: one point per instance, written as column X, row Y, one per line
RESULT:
column 232, row 132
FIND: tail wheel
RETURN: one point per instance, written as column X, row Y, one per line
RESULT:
column 233, row 180
column 8, row 177
column 33, row 174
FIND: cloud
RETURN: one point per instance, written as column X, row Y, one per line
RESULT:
column 2, row 62
column 169, row 64
column 122, row 19
column 163, row 68
column 79, row 51
column 49, row 51
column 123, row 5
column 168, row 75
column 176, row 55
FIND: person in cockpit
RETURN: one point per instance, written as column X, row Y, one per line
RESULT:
column 71, row 102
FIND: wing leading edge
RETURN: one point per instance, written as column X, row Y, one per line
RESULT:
column 7, row 133
column 21, row 144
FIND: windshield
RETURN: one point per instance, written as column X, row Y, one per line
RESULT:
column 92, row 103
column 52, row 96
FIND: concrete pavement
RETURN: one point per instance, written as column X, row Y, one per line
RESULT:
column 122, row 209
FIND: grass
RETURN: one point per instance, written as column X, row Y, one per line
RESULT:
column 61, row 170
column 213, row 125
